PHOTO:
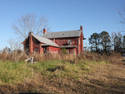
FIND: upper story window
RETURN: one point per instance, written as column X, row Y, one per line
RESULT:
column 69, row 42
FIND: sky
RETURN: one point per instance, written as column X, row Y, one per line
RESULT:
column 93, row 15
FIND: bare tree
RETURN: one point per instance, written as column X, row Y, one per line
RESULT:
column 122, row 15
column 14, row 44
column 29, row 23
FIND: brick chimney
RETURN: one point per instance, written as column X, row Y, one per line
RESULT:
column 81, row 28
column 30, row 43
column 44, row 31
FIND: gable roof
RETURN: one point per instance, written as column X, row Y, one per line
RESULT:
column 63, row 34
column 44, row 40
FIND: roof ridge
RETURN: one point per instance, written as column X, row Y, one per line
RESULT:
column 61, row 34
column 64, row 31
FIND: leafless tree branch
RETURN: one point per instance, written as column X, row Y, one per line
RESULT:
column 29, row 23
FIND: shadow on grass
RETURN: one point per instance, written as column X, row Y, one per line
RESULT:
column 115, row 87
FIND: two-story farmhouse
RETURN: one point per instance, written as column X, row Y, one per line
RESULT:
column 55, row 42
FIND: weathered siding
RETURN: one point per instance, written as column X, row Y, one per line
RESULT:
column 78, row 42
column 52, row 49
column 64, row 41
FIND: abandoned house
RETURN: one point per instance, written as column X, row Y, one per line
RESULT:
column 55, row 42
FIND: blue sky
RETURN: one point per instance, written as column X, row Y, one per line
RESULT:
column 93, row 15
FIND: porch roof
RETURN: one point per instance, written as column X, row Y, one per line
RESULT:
column 68, row 46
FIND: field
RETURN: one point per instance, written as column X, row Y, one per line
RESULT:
column 88, row 74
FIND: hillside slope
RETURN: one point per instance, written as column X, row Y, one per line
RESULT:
column 63, row 77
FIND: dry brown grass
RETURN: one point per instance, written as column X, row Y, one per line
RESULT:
column 104, row 75
column 14, row 56
column 100, row 79
column 19, row 56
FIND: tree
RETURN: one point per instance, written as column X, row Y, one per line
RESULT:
column 122, row 15
column 14, row 44
column 29, row 23
column 105, row 41
column 24, row 25
column 94, row 41
column 123, row 42
column 117, row 41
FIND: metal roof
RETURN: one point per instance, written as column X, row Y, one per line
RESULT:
column 45, row 40
column 62, row 34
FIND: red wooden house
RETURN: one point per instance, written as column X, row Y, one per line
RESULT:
column 54, row 42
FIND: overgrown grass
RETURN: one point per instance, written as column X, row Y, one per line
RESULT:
column 12, row 73
column 84, row 74
column 58, row 68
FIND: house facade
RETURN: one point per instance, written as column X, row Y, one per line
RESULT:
column 55, row 42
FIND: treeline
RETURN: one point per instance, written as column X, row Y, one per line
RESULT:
column 104, row 43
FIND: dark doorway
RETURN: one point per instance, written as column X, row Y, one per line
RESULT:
column 44, row 50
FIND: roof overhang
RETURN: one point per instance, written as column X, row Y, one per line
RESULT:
column 68, row 46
